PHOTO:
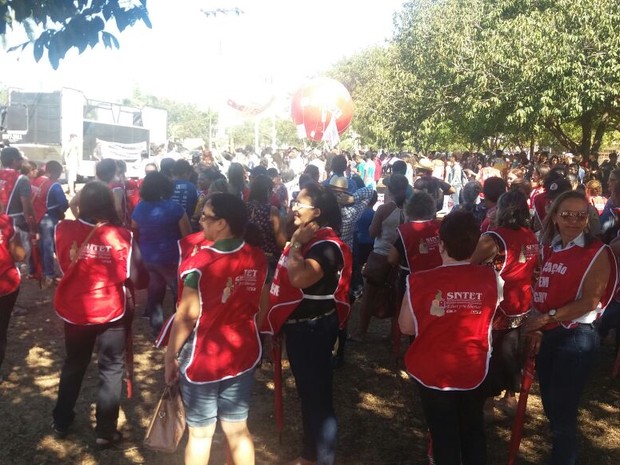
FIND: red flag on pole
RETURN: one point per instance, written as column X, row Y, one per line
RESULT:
column 129, row 368
column 276, row 348
column 517, row 426
column 35, row 254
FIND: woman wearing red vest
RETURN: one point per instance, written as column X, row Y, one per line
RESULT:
column 450, row 309
column 96, row 256
column 512, row 249
column 576, row 282
column 11, row 251
column 215, row 330
column 309, row 301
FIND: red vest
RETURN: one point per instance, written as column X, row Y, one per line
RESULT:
column 132, row 190
column 226, row 342
column 539, row 203
column 92, row 291
column 453, row 307
column 561, row 280
column 40, row 189
column 534, row 193
column 421, row 242
column 9, row 272
column 284, row 298
column 8, row 181
column 192, row 249
column 521, row 249
column 191, row 253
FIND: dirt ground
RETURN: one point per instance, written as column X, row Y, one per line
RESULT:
column 380, row 419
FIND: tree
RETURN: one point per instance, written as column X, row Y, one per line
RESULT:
column 59, row 25
column 244, row 133
column 185, row 120
column 514, row 68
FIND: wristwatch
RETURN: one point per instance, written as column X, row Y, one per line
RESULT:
column 553, row 314
column 296, row 245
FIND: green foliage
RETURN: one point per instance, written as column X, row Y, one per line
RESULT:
column 66, row 24
column 243, row 134
column 480, row 71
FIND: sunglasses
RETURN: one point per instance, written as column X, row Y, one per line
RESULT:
column 205, row 217
column 582, row 215
column 296, row 205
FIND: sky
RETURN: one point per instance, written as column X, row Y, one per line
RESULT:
column 270, row 49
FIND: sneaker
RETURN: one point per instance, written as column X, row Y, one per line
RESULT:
column 46, row 283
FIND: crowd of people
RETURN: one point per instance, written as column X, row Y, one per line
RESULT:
column 479, row 261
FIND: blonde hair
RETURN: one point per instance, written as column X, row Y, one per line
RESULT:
column 594, row 187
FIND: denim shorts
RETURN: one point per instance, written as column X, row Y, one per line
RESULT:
column 227, row 400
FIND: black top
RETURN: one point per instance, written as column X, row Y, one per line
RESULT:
column 434, row 187
column 22, row 189
column 328, row 255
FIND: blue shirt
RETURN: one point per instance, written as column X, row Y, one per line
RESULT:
column 362, row 234
column 57, row 202
column 158, row 230
column 186, row 195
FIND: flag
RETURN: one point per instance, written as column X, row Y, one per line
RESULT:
column 276, row 347
column 330, row 135
column 517, row 425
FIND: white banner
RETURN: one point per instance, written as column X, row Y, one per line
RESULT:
column 118, row 151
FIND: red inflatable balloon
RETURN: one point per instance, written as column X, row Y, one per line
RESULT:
column 319, row 103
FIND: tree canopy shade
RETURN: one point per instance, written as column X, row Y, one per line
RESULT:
column 509, row 69
column 65, row 24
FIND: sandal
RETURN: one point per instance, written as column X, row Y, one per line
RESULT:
column 59, row 433
column 356, row 338
column 103, row 443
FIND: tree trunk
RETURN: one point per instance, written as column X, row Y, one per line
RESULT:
column 556, row 131
column 600, row 132
column 586, row 134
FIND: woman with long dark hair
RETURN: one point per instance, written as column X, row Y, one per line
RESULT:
column 159, row 223
column 379, row 273
column 214, row 343
column 97, row 257
column 309, row 301
column 512, row 249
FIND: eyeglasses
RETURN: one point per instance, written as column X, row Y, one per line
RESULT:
column 205, row 217
column 582, row 215
column 296, row 205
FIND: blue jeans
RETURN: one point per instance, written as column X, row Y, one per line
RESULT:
column 610, row 320
column 160, row 277
column 46, row 244
column 564, row 362
column 309, row 348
